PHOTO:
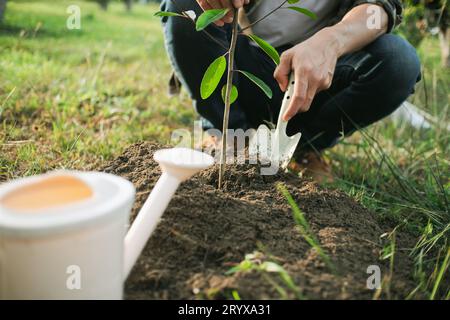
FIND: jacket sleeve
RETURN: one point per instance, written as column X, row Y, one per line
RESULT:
column 393, row 9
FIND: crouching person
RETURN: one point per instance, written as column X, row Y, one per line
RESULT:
column 350, row 70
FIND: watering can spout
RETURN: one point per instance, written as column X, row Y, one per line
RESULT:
column 177, row 165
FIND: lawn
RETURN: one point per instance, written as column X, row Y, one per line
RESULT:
column 76, row 98
column 71, row 98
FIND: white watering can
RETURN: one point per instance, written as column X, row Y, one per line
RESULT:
column 80, row 249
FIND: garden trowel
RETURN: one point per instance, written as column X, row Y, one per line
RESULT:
column 275, row 145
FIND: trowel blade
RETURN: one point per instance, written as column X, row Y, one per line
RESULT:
column 260, row 142
column 286, row 148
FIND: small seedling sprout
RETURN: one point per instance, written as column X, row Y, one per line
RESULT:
column 256, row 262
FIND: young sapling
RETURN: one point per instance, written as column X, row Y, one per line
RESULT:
column 216, row 69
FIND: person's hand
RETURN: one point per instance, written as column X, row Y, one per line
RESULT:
column 220, row 4
column 312, row 62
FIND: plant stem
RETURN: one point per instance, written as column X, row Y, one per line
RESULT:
column 265, row 16
column 234, row 35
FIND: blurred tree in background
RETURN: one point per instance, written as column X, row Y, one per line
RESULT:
column 413, row 27
column 128, row 3
column 2, row 9
column 424, row 18
column 102, row 3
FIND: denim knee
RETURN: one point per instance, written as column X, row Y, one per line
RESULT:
column 179, row 5
column 399, row 63
column 176, row 27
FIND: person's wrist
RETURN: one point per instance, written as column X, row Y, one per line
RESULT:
column 333, row 40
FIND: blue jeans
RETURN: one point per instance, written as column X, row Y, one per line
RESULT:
column 367, row 85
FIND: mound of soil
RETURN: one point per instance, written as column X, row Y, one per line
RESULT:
column 206, row 231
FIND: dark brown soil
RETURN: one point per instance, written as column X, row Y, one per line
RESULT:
column 205, row 232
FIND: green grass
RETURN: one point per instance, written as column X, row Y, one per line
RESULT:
column 74, row 99
column 403, row 173
column 304, row 228
column 71, row 98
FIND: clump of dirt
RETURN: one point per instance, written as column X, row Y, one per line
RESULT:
column 206, row 231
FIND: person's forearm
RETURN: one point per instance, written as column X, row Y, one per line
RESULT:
column 357, row 29
column 313, row 61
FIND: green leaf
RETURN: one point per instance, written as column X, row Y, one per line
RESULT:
column 261, row 84
column 293, row 1
column 267, row 48
column 234, row 93
column 208, row 17
column 167, row 14
column 212, row 77
column 310, row 14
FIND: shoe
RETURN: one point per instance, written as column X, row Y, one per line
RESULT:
column 209, row 143
column 311, row 164
column 212, row 144
column 174, row 85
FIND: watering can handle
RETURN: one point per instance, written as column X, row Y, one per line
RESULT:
column 148, row 218
column 281, row 124
column 177, row 165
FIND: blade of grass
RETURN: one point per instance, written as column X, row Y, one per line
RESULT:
column 440, row 275
column 304, row 227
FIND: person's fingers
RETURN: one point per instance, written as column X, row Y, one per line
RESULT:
column 204, row 4
column 316, row 80
column 312, row 90
column 298, row 98
column 220, row 4
column 229, row 17
column 230, row 4
column 327, row 80
column 283, row 70
column 240, row 3
column 214, row 4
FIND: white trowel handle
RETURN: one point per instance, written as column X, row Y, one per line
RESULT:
column 281, row 124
